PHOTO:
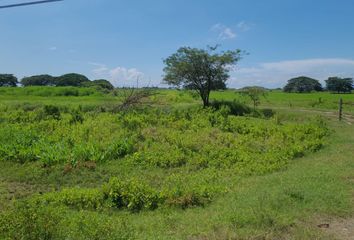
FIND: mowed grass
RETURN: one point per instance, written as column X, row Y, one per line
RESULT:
column 285, row 204
column 313, row 101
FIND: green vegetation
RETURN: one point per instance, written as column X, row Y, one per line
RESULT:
column 101, row 83
column 66, row 80
column 319, row 101
column 255, row 93
column 340, row 85
column 303, row 85
column 200, row 70
column 38, row 80
column 8, row 80
column 73, row 167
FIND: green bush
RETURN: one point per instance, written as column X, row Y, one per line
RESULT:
column 119, row 149
column 76, row 197
column 76, row 117
column 52, row 111
column 235, row 108
column 18, row 145
column 267, row 112
column 30, row 221
column 132, row 195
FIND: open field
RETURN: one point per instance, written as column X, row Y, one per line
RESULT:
column 75, row 167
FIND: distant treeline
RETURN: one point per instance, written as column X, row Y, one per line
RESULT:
column 301, row 84
column 70, row 79
column 305, row 85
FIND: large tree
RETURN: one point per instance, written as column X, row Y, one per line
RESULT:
column 100, row 83
column 303, row 85
column 336, row 84
column 8, row 80
column 38, row 80
column 71, row 79
column 199, row 69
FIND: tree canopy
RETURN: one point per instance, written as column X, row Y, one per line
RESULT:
column 339, row 85
column 38, row 80
column 71, row 79
column 101, row 83
column 303, row 85
column 202, row 70
column 8, row 80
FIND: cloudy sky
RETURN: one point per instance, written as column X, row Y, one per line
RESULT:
column 123, row 40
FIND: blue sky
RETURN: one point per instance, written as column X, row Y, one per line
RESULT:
column 122, row 40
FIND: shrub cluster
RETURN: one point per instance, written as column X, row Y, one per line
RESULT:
column 132, row 195
column 30, row 221
column 168, row 139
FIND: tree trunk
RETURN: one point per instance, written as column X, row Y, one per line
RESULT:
column 205, row 102
column 205, row 98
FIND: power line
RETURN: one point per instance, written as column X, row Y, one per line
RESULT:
column 28, row 3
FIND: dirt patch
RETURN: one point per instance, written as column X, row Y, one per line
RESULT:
column 341, row 229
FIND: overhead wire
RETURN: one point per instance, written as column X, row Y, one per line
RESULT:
column 28, row 3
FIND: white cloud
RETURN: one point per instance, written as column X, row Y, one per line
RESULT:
column 119, row 76
column 224, row 32
column 244, row 26
column 124, row 76
column 276, row 74
column 53, row 48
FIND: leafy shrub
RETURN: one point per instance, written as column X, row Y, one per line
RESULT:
column 132, row 195
column 168, row 157
column 19, row 146
column 52, row 111
column 77, row 198
column 195, row 190
column 236, row 108
column 32, row 221
column 119, row 149
column 86, row 225
column 29, row 221
column 267, row 112
column 76, row 117
column 86, row 152
column 197, row 138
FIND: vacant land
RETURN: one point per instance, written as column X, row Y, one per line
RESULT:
column 74, row 165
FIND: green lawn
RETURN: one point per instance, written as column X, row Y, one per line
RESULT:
column 321, row 101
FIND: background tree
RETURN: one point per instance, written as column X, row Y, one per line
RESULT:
column 200, row 70
column 303, row 85
column 336, row 84
column 8, row 80
column 255, row 93
column 100, row 83
column 38, row 80
column 71, row 79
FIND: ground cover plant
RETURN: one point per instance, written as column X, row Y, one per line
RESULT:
column 76, row 168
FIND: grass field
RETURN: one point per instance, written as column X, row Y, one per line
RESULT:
column 73, row 167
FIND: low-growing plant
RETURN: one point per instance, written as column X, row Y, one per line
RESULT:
column 235, row 108
column 30, row 221
column 132, row 195
column 52, row 111
column 77, row 198
column 33, row 221
column 76, row 117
